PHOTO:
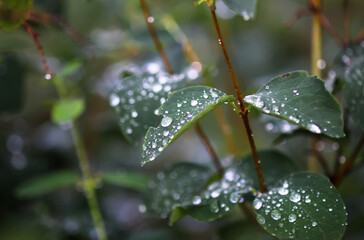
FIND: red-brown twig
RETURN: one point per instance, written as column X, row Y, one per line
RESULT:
column 39, row 48
column 242, row 109
column 350, row 162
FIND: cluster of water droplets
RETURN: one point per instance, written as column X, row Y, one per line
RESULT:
column 220, row 196
column 180, row 109
column 283, row 99
column 290, row 210
column 175, row 186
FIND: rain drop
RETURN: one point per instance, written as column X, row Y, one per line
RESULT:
column 292, row 217
column 194, row 103
column 257, row 204
column 295, row 197
column 166, row 121
column 260, row 219
column 114, row 100
column 283, row 191
column 196, row 200
column 275, row 214
column 314, row 128
column 214, row 207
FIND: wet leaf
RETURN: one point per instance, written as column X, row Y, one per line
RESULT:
column 245, row 8
column 67, row 110
column 302, row 100
column 46, row 184
column 274, row 164
column 136, row 100
column 174, row 187
column 302, row 206
column 13, row 13
column 354, row 92
column 126, row 179
column 221, row 196
column 348, row 57
column 182, row 109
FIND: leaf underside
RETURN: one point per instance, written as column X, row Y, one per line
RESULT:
column 245, row 8
column 300, row 99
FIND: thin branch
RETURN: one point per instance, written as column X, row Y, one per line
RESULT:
column 243, row 110
column 346, row 8
column 39, row 48
column 326, row 23
column 210, row 149
column 297, row 16
column 149, row 19
column 359, row 37
column 350, row 162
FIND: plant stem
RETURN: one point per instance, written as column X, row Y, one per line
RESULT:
column 39, row 48
column 88, row 182
column 172, row 27
column 316, row 55
column 149, row 19
column 315, row 8
column 210, row 150
column 346, row 5
column 350, row 162
column 242, row 109
column 166, row 62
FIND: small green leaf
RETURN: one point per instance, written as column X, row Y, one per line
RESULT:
column 67, row 110
column 302, row 206
column 175, row 186
column 302, row 100
column 354, row 92
column 46, row 184
column 274, row 164
column 182, row 109
column 245, row 8
column 136, row 100
column 13, row 13
column 124, row 179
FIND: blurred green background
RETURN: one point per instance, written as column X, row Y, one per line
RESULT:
column 104, row 35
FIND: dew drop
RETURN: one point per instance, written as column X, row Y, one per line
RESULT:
column 260, row 219
column 129, row 131
column 179, row 104
column 295, row 197
column 255, row 100
column 314, row 128
column 283, row 191
column 275, row 214
column 134, row 114
column 165, row 133
column 196, row 200
column 314, row 224
column 114, row 100
column 292, row 217
column 205, row 95
column 214, row 207
column 194, row 103
column 257, row 204
column 166, row 121
column 330, row 209
column 48, row 76
column 234, row 197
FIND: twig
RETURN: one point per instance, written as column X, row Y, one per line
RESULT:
column 171, row 26
column 346, row 8
column 243, row 110
column 210, row 149
column 350, row 162
column 149, row 19
column 39, row 48
column 326, row 23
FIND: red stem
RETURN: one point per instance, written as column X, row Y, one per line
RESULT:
column 242, row 109
column 39, row 48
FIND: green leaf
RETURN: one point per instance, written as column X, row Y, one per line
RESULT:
column 182, row 109
column 302, row 100
column 124, row 179
column 136, row 100
column 13, row 13
column 245, row 8
column 354, row 92
column 274, row 164
column 221, row 196
column 46, row 184
column 174, row 187
column 302, row 206
column 67, row 110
